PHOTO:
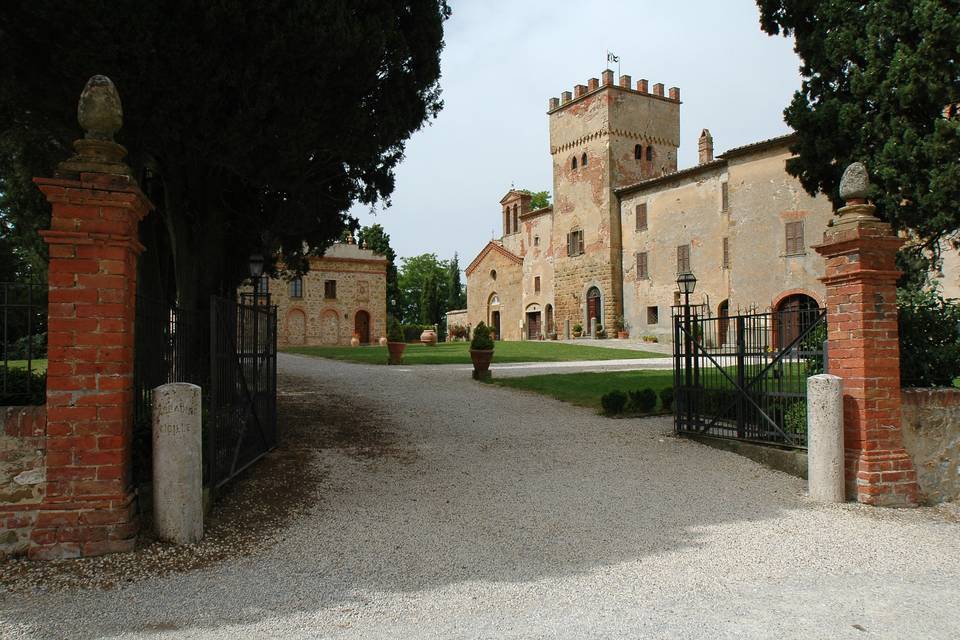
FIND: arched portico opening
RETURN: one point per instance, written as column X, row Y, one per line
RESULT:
column 493, row 315
column 361, row 326
column 723, row 322
column 594, row 308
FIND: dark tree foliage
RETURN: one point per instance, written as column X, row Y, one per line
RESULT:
column 929, row 329
column 881, row 84
column 456, row 296
column 253, row 126
column 375, row 238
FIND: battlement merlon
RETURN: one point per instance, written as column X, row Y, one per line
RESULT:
column 593, row 85
column 602, row 109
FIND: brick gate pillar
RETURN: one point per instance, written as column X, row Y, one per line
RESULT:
column 863, row 346
column 96, row 206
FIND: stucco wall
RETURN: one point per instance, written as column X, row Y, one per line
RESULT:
column 931, row 435
column 315, row 320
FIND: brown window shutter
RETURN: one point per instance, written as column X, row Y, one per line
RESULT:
column 724, row 196
column 642, row 217
column 642, row 273
column 794, row 237
column 580, row 247
column 726, row 253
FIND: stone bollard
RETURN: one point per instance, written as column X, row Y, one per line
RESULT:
column 825, row 455
column 177, row 463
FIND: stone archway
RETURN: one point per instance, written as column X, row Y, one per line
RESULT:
column 594, row 308
column 794, row 315
column 296, row 327
column 330, row 327
column 493, row 315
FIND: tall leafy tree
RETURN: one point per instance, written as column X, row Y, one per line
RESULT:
column 881, row 84
column 456, row 296
column 539, row 200
column 253, row 126
column 430, row 310
column 374, row 237
column 417, row 275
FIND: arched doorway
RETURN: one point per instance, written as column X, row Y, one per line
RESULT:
column 534, row 322
column 723, row 322
column 493, row 315
column 594, row 307
column 794, row 314
column 296, row 327
column 361, row 326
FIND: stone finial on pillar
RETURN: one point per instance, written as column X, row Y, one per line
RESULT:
column 100, row 115
column 863, row 347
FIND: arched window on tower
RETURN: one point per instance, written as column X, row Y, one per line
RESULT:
column 638, row 152
column 583, row 159
column 573, row 163
column 516, row 219
column 650, row 152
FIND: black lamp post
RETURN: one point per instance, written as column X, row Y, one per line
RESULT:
column 256, row 271
column 686, row 283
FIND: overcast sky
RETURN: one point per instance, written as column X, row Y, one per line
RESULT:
column 503, row 61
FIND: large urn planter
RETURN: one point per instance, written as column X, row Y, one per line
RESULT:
column 623, row 335
column 355, row 341
column 428, row 338
column 383, row 341
column 481, row 363
column 396, row 350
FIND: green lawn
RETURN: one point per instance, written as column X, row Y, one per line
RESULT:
column 585, row 389
column 458, row 353
column 36, row 365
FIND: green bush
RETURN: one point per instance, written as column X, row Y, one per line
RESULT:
column 411, row 332
column 613, row 402
column 929, row 339
column 34, row 346
column 481, row 338
column 394, row 332
column 22, row 388
column 795, row 418
column 643, row 401
column 666, row 398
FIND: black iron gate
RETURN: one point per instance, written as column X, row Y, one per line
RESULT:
column 733, row 380
column 243, row 385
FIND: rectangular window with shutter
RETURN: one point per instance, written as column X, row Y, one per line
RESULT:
column 794, row 237
column 296, row 287
column 653, row 315
column 536, row 284
column 575, row 243
column 726, row 253
column 330, row 289
column 642, row 272
column 642, row 217
column 683, row 258
column 724, row 196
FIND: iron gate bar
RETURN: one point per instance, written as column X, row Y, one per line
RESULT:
column 744, row 390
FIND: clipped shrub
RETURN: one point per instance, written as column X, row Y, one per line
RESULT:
column 795, row 418
column 394, row 332
column 481, row 338
column 929, row 338
column 578, row 327
column 666, row 398
column 614, row 402
column 21, row 387
column 643, row 401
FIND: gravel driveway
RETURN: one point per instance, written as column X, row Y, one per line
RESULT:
column 437, row 507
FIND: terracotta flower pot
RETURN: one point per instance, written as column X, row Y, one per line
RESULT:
column 383, row 341
column 396, row 350
column 429, row 337
column 354, row 341
column 481, row 363
column 623, row 335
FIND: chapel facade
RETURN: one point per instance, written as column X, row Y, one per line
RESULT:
column 625, row 221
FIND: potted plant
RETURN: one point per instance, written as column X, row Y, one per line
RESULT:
column 622, row 327
column 553, row 335
column 481, row 352
column 601, row 332
column 577, row 330
column 395, row 344
column 428, row 337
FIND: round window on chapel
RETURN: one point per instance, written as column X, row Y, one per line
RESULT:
column 493, row 274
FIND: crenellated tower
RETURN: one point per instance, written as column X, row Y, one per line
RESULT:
column 604, row 135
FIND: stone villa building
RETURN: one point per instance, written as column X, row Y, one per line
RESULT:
column 625, row 221
column 344, row 293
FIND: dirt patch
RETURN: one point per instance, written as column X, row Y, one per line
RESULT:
column 250, row 511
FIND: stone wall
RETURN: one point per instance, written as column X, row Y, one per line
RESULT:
column 457, row 317
column 931, row 435
column 23, row 434
column 494, row 283
column 314, row 319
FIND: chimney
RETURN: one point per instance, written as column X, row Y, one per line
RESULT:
column 705, row 145
column 565, row 97
column 625, row 82
column 643, row 86
column 554, row 103
column 658, row 89
column 607, row 76
column 579, row 90
column 593, row 84
column 675, row 94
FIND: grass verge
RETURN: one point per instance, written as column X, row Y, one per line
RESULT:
column 459, row 353
column 585, row 389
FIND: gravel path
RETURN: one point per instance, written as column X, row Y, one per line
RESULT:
column 449, row 509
